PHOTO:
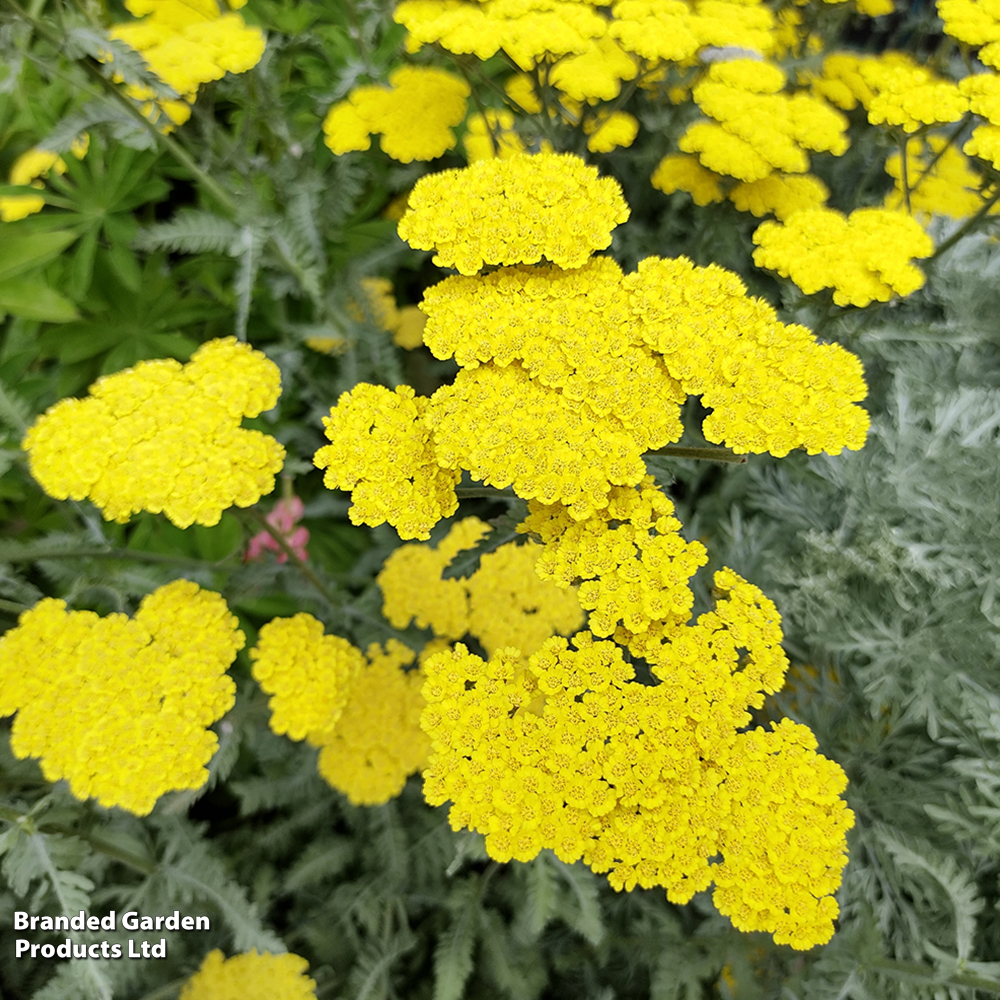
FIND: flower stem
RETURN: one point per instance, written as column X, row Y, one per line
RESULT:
column 703, row 454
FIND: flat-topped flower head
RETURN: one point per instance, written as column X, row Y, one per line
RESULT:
column 308, row 675
column 517, row 210
column 164, row 437
column 89, row 691
column 276, row 977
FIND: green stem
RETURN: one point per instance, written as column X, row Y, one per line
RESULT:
column 293, row 556
column 917, row 973
column 167, row 143
column 966, row 227
column 904, row 173
column 494, row 144
column 471, row 492
column 704, row 454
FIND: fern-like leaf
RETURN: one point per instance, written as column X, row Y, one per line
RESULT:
column 190, row 231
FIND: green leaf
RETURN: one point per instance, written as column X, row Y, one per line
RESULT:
column 21, row 251
column 453, row 954
column 81, row 270
column 32, row 298
column 542, row 896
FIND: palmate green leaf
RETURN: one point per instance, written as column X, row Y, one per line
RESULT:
column 32, row 298
column 23, row 250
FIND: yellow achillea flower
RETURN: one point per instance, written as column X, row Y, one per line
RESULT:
column 276, row 977
column 865, row 257
column 27, row 169
column 780, row 195
column 510, row 605
column 644, row 782
column 378, row 741
column 558, row 348
column 755, row 128
column 412, row 588
column 913, row 98
column 164, row 437
column 771, row 386
column 499, row 124
column 308, row 675
column 414, row 115
column 635, row 573
column 381, row 451
column 514, row 211
column 608, row 132
column 975, row 23
column 525, row 29
column 680, row 172
column 873, row 8
column 848, row 79
column 940, row 179
column 186, row 43
column 503, row 602
column 983, row 92
column 89, row 690
column 594, row 75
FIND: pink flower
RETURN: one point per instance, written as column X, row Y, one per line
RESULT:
column 284, row 517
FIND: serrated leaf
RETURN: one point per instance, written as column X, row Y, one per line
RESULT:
column 466, row 562
column 542, row 894
column 453, row 954
column 582, row 908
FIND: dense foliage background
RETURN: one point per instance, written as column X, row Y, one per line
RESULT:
column 884, row 563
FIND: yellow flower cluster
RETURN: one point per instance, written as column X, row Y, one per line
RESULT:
column 27, row 170
column 186, row 43
column 378, row 742
column 491, row 136
column 611, row 131
column 117, row 706
column 754, row 128
column 975, row 22
column 777, row 194
column 865, row 257
column 634, row 563
column 588, row 51
column 308, row 675
column 648, row 783
column 164, row 437
column 848, row 79
column 514, row 211
column 503, row 602
column 680, row 172
column 913, row 98
column 274, row 977
column 363, row 713
column 414, row 115
column 412, row 588
column 558, row 348
column 780, row 195
column 940, row 179
column 771, row 386
column 381, row 451
column 983, row 92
